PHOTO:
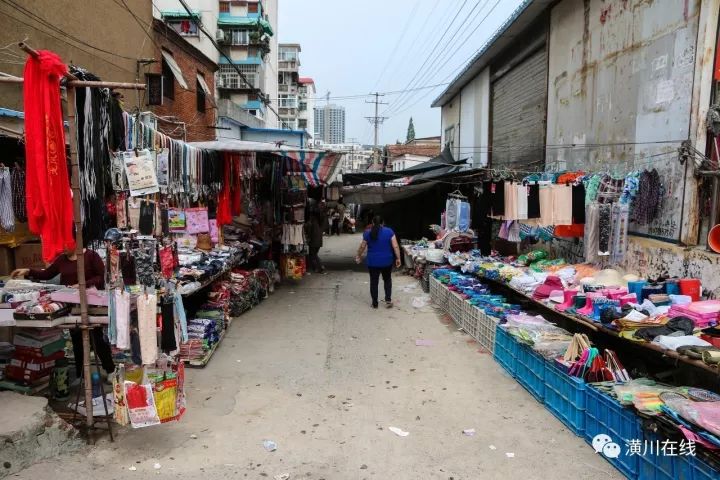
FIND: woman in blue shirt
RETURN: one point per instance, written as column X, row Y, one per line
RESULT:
column 382, row 252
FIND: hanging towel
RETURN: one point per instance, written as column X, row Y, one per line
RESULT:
column 147, row 321
column 168, row 342
column 592, row 232
column 180, row 316
column 121, row 299
column 521, row 191
column 562, row 204
column 546, row 206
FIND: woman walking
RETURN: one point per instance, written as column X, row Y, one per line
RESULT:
column 382, row 252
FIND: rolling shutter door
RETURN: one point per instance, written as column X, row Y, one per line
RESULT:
column 518, row 114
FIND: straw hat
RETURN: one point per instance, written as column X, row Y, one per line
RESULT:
column 609, row 277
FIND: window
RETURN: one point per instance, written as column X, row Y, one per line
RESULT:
column 302, row 106
column 288, row 101
column 302, row 123
column 168, row 80
column 229, row 77
column 253, row 7
column 224, row 7
column 288, row 55
column 199, row 95
column 239, row 37
column 185, row 27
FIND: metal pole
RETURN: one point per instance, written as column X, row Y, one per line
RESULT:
column 377, row 124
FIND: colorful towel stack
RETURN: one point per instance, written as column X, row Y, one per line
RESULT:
column 705, row 313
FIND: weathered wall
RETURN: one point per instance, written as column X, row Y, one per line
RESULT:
column 474, row 124
column 77, row 32
column 450, row 117
column 622, row 71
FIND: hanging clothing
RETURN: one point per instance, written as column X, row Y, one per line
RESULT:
column 592, row 232
column 604, row 228
column 168, row 343
column 521, row 191
column 122, row 319
column 180, row 316
column 146, row 220
column 451, row 213
column 620, row 222
column 533, row 201
column 147, row 313
column 562, row 204
column 578, row 203
column 17, row 183
column 49, row 200
column 646, row 205
column 497, row 197
column 546, row 206
column 510, row 193
column 7, row 215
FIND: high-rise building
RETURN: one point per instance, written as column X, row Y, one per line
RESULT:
column 306, row 105
column 330, row 124
column 245, row 31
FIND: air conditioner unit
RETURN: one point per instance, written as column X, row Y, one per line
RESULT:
column 220, row 35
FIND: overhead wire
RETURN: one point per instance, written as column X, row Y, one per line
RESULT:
column 411, row 83
column 61, row 39
column 427, row 76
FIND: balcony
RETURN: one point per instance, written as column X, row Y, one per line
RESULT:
column 228, row 109
column 288, row 65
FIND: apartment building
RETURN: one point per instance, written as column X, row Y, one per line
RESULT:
column 306, row 104
column 245, row 32
column 288, row 83
column 330, row 124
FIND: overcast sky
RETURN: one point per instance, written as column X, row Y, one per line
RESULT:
column 353, row 48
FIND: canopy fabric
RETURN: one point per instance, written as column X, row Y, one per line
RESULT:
column 233, row 145
column 375, row 195
column 177, row 73
column 266, row 26
column 203, row 85
column 317, row 168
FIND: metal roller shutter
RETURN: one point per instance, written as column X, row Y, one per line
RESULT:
column 518, row 114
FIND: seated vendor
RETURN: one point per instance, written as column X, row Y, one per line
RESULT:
column 65, row 265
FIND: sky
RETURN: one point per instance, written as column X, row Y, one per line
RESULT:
column 352, row 48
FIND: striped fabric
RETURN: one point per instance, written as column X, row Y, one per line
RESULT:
column 18, row 194
column 317, row 168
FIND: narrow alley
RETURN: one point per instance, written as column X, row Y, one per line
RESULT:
column 324, row 376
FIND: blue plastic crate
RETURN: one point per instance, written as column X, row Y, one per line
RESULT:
column 703, row 470
column 654, row 465
column 604, row 414
column 565, row 398
column 530, row 371
column 505, row 350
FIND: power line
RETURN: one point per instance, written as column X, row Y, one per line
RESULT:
column 365, row 95
column 376, row 121
column 437, row 44
column 449, row 57
column 428, row 73
column 46, row 23
column 68, row 43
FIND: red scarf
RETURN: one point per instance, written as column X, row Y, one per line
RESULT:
column 47, row 187
column 224, row 215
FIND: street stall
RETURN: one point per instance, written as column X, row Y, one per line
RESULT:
column 171, row 242
column 607, row 350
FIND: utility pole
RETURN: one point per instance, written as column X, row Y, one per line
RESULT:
column 376, row 120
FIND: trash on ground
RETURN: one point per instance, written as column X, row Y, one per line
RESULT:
column 409, row 288
column 510, row 455
column 157, row 466
column 133, row 468
column 469, row 432
column 282, row 476
column 193, row 436
column 420, row 302
column 398, row 431
column 423, row 343
column 269, row 445
column 493, row 447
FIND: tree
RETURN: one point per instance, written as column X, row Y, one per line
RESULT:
column 410, row 132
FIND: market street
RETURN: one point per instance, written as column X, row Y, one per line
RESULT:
column 324, row 376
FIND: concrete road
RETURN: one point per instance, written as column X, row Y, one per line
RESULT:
column 316, row 370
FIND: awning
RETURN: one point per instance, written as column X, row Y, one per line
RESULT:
column 180, row 14
column 228, row 20
column 203, row 85
column 177, row 73
column 318, row 168
column 374, row 195
column 232, row 145
column 266, row 26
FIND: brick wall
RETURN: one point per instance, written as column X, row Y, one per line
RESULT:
column 183, row 107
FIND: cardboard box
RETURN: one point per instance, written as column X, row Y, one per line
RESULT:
column 29, row 255
column 7, row 261
column 19, row 235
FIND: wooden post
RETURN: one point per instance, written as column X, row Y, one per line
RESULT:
column 77, row 215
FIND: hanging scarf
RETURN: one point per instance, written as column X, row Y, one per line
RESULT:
column 7, row 217
column 49, row 199
column 17, row 181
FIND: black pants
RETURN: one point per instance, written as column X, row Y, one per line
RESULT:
column 335, row 227
column 102, row 350
column 375, row 273
column 314, row 262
